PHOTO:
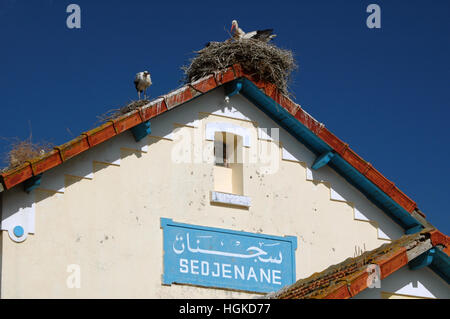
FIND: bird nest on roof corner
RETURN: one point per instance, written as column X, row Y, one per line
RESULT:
column 24, row 150
column 253, row 51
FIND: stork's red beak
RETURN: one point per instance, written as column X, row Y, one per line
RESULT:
column 232, row 27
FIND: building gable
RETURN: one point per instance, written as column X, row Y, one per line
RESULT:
column 115, row 189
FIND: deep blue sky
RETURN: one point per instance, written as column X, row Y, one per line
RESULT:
column 385, row 92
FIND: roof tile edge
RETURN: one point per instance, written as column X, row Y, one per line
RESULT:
column 395, row 258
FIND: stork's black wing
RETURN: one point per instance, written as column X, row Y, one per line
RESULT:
column 263, row 35
column 136, row 82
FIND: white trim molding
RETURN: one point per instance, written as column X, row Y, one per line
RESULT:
column 230, row 199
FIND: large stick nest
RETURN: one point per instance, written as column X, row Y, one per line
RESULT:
column 24, row 150
column 263, row 60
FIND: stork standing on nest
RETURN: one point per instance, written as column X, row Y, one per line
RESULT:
column 262, row 35
column 142, row 81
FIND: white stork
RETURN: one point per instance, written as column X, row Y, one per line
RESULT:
column 142, row 81
column 262, row 35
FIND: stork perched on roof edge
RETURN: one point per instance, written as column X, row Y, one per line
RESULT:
column 262, row 35
column 142, row 81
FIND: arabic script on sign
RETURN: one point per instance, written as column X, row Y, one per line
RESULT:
column 230, row 259
column 257, row 252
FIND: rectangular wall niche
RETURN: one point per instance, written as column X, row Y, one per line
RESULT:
column 228, row 168
column 221, row 258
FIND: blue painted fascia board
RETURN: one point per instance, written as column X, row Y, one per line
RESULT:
column 319, row 147
column 374, row 194
column 441, row 265
column 413, row 230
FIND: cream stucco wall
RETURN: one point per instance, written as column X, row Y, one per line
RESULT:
column 102, row 210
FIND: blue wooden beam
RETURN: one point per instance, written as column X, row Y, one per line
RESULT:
column 142, row 130
column 32, row 183
column 322, row 160
column 423, row 260
column 414, row 230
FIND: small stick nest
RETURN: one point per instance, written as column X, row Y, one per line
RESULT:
column 115, row 113
column 263, row 60
column 22, row 151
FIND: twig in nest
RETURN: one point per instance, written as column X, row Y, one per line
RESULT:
column 263, row 60
column 115, row 113
column 25, row 150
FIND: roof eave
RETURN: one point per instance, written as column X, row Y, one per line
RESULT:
column 313, row 142
column 268, row 98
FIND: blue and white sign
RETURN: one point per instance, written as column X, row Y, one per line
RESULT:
column 221, row 258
